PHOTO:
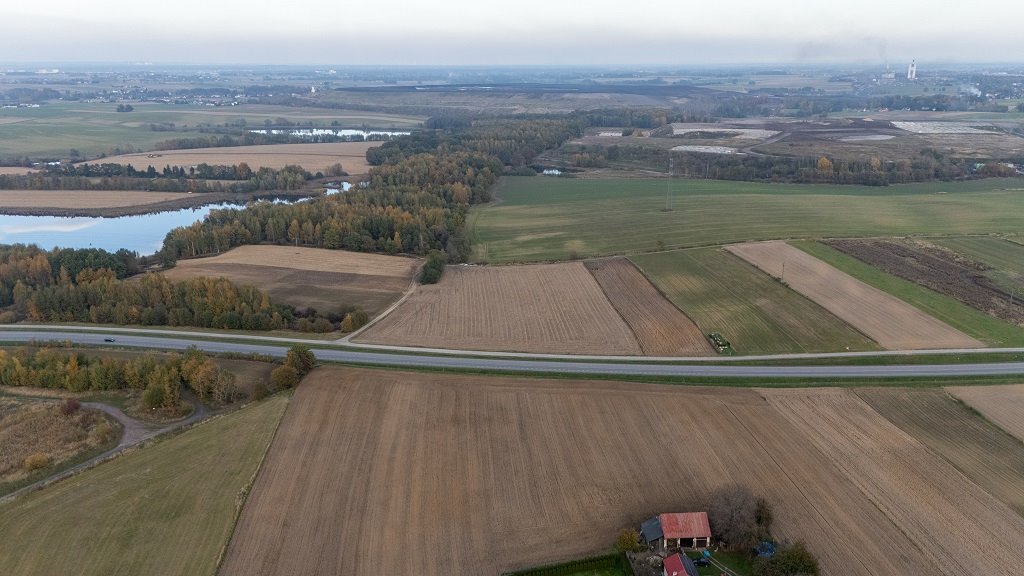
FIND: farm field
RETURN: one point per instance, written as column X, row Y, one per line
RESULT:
column 545, row 308
column 54, row 129
column 418, row 456
column 87, row 199
column 979, row 325
column 544, row 218
column 1005, row 258
column 1003, row 405
column 164, row 509
column 14, row 170
column 940, row 270
column 951, row 520
column 757, row 314
column 660, row 328
column 982, row 451
column 314, row 157
column 323, row 279
column 892, row 323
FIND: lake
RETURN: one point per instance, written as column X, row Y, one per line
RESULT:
column 345, row 133
column 143, row 233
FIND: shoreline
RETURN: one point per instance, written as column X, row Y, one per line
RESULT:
column 195, row 200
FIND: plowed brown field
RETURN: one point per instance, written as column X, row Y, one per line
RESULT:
column 466, row 475
column 985, row 453
column 1003, row 405
column 660, row 327
column 313, row 157
column 555, row 308
column 310, row 277
column 882, row 317
column 958, row 525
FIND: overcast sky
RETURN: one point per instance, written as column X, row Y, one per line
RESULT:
column 601, row 32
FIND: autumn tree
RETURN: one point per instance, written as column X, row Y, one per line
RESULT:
column 301, row 359
column 733, row 516
column 284, row 377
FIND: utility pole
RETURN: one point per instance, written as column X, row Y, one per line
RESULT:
column 668, row 185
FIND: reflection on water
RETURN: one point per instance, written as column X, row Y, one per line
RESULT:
column 143, row 233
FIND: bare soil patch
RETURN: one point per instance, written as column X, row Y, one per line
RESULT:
column 938, row 269
column 476, row 476
column 958, row 525
column 1003, row 405
column 15, row 170
column 315, row 157
column 660, row 327
column 882, row 317
column 322, row 279
column 554, row 308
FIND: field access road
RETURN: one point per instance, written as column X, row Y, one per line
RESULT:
column 608, row 366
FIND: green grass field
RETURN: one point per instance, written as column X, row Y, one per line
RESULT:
column 722, row 293
column 1005, row 258
column 988, row 329
column 168, row 508
column 91, row 128
column 543, row 218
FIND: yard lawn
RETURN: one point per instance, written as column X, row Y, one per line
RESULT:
column 756, row 313
column 165, row 509
column 543, row 218
column 988, row 329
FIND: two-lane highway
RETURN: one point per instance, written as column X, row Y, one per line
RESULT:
column 138, row 338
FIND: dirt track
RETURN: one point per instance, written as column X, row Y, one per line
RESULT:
column 882, row 317
column 544, row 308
column 660, row 328
column 464, row 475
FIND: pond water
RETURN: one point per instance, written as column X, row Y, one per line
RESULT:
column 143, row 233
column 347, row 133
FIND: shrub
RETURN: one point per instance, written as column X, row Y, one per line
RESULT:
column 260, row 391
column 103, row 433
column 36, row 461
column 791, row 560
column 301, row 359
column 70, row 407
column 284, row 377
column 628, row 541
column 433, row 268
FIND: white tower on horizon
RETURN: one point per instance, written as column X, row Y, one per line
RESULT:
column 912, row 70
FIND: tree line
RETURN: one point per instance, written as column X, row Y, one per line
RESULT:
column 92, row 285
column 201, row 178
column 159, row 378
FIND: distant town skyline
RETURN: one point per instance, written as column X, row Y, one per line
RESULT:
column 530, row 32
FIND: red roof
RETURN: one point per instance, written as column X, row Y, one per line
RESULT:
column 685, row 525
column 674, row 565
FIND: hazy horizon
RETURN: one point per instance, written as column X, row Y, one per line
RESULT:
column 461, row 33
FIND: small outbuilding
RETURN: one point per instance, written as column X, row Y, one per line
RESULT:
column 677, row 530
column 679, row 565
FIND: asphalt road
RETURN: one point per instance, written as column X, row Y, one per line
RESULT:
column 212, row 343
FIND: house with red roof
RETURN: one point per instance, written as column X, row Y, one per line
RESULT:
column 679, row 565
column 677, row 530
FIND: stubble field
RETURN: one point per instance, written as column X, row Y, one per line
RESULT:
column 479, row 475
column 887, row 320
column 314, row 157
column 84, row 199
column 310, row 277
column 660, row 328
column 545, row 308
